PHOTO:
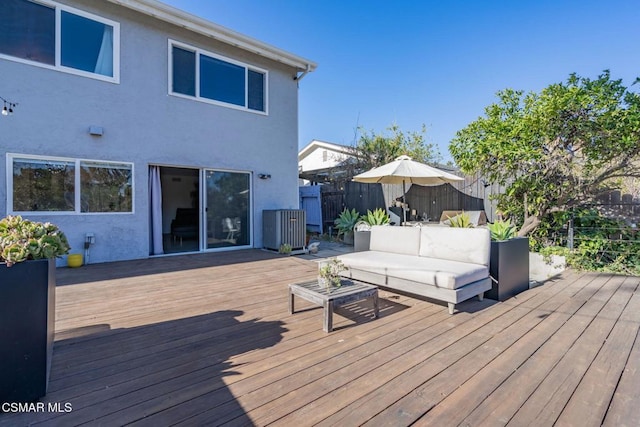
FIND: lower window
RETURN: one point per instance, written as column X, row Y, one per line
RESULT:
column 41, row 184
column 105, row 187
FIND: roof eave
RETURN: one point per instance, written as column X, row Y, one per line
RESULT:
column 338, row 148
column 199, row 25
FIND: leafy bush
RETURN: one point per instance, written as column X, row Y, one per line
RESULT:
column 21, row 240
column 600, row 244
column 346, row 221
column 502, row 230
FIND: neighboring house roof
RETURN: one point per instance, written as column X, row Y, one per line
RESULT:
column 198, row 25
column 315, row 145
column 322, row 161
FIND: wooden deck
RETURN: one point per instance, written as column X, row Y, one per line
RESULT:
column 207, row 340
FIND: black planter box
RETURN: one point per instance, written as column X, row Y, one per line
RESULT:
column 27, row 317
column 509, row 267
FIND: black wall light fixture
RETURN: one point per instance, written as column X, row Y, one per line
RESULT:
column 264, row 176
column 7, row 110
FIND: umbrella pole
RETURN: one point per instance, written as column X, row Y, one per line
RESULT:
column 404, row 202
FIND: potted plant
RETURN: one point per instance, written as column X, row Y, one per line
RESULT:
column 462, row 220
column 362, row 229
column 345, row 223
column 329, row 273
column 27, row 305
column 509, row 264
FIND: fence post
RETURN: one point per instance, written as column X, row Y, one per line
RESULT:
column 570, row 234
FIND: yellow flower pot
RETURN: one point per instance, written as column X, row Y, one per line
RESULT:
column 74, row 260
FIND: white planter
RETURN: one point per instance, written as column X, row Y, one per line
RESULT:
column 541, row 270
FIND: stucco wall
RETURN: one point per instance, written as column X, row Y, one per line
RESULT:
column 144, row 125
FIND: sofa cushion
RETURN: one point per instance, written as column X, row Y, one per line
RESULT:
column 472, row 245
column 428, row 271
column 398, row 240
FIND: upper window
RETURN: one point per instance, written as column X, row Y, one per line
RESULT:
column 216, row 79
column 52, row 35
column 46, row 184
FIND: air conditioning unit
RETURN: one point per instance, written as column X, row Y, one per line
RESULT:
column 284, row 226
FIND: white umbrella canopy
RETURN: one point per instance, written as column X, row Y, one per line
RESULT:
column 404, row 170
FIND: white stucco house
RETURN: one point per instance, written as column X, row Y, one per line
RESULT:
column 320, row 160
column 143, row 129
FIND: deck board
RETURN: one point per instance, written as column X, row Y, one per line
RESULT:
column 504, row 383
column 444, row 352
column 207, row 340
column 624, row 410
column 590, row 400
column 549, row 400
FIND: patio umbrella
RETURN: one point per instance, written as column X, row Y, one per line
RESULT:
column 404, row 170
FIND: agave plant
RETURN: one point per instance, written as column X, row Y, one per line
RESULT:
column 377, row 217
column 502, row 230
column 460, row 221
column 346, row 220
column 21, row 240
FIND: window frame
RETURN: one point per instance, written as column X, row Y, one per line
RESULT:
column 59, row 8
column 198, row 51
column 77, row 184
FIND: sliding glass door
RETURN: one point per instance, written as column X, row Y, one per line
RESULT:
column 228, row 208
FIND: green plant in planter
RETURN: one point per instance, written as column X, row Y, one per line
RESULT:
column 346, row 221
column 377, row 217
column 22, row 240
column 460, row 221
column 27, row 302
column 502, row 230
column 509, row 261
column 329, row 273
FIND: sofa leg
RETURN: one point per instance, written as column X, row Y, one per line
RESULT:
column 452, row 307
column 481, row 296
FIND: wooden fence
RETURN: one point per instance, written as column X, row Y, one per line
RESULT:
column 428, row 202
column 350, row 195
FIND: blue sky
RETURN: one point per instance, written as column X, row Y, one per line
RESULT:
column 437, row 63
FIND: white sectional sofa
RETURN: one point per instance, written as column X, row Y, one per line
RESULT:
column 443, row 263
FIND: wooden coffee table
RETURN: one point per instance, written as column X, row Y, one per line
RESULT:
column 330, row 297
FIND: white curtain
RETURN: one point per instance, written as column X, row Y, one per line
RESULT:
column 155, row 211
column 104, row 64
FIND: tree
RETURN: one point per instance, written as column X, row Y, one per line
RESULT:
column 554, row 150
column 374, row 150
